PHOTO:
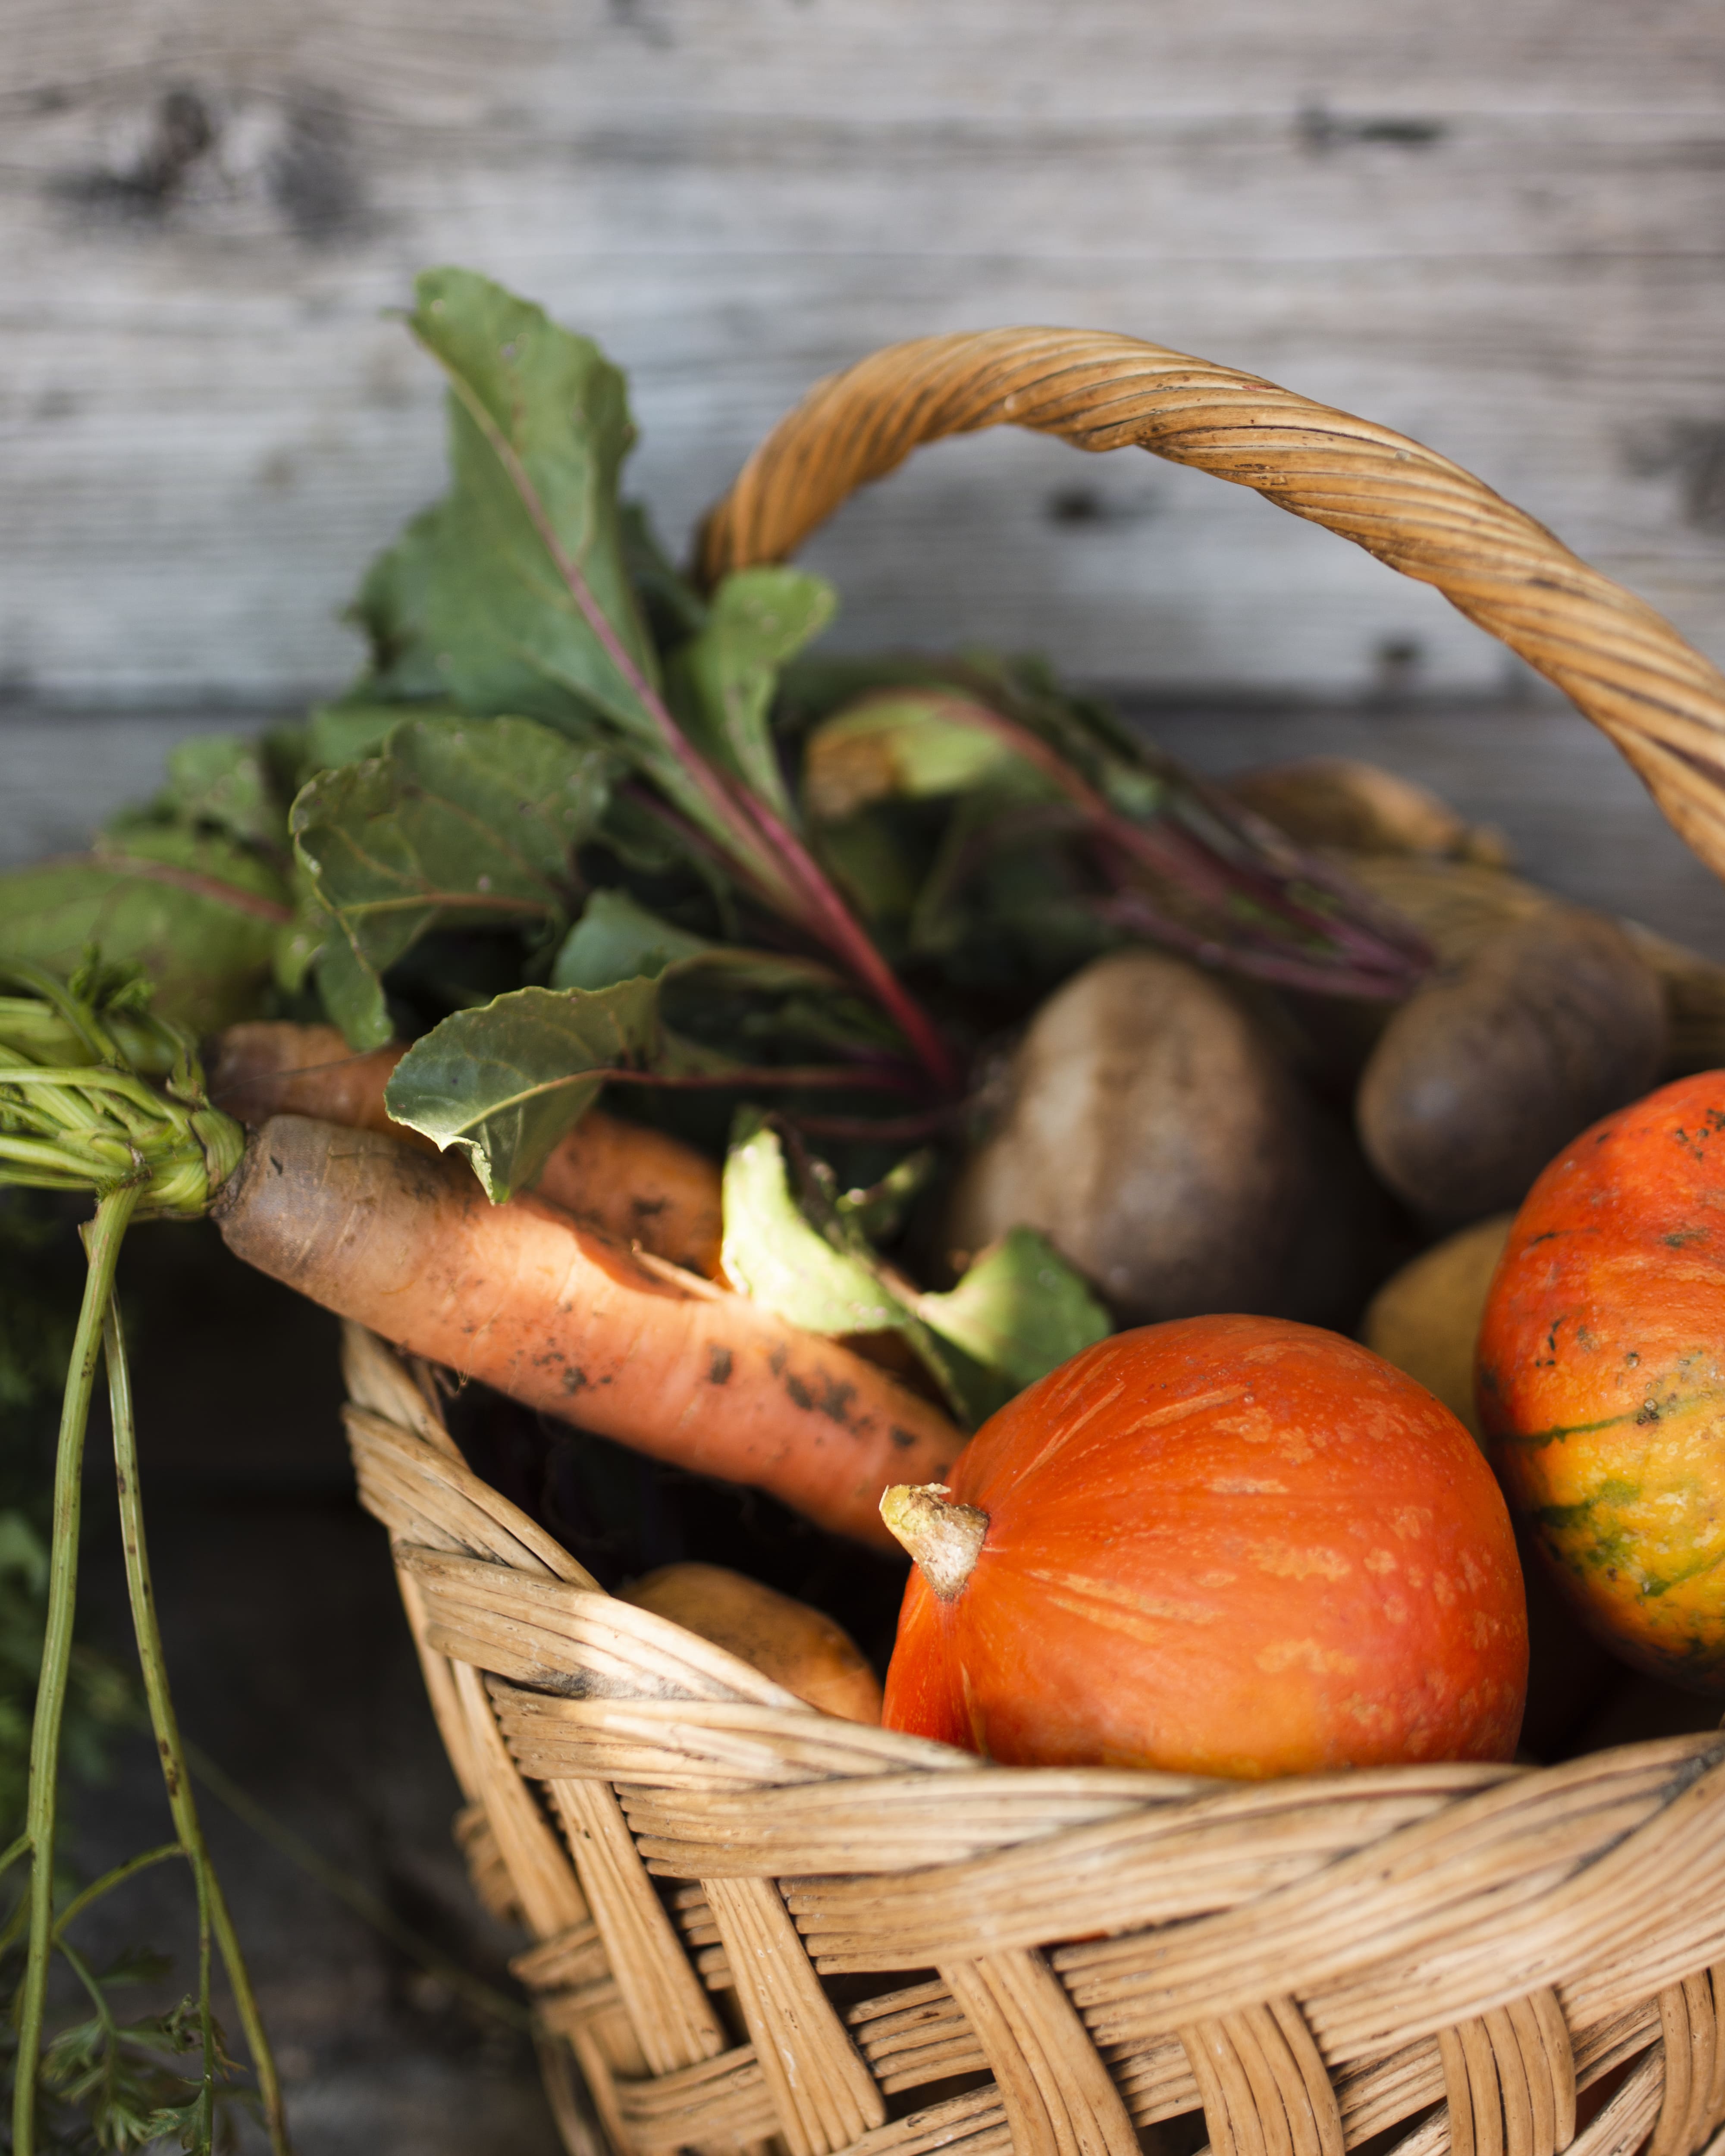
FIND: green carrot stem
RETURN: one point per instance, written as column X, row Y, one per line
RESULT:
column 55, row 1159
column 73, row 1011
column 110, row 1880
column 103, row 1238
column 103, row 2015
column 212, row 1907
column 80, row 1078
column 206, row 2112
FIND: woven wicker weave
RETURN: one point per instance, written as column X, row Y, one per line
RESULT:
column 760, row 1927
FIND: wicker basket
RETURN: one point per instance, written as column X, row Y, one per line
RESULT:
column 758, row 1927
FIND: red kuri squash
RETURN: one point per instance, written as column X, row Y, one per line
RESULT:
column 1222, row 1546
column 1601, row 1378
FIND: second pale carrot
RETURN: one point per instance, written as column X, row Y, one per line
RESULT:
column 637, row 1185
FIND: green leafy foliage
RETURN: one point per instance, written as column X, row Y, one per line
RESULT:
column 221, row 782
column 471, row 822
column 616, row 939
column 774, row 1254
column 989, row 825
column 908, row 744
column 214, row 842
column 349, row 731
column 504, row 1081
column 1124, row 844
column 514, row 594
column 722, row 680
column 878, row 1212
column 793, row 1242
column 730, row 1007
column 1020, row 1310
column 112, row 2084
column 470, row 603
column 504, row 1084
column 630, row 993
column 197, row 912
column 952, row 832
column 530, row 592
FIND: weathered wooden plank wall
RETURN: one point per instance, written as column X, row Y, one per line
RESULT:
column 1496, row 224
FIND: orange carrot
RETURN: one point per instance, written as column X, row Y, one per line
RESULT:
column 532, row 1302
column 271, row 1067
column 637, row 1185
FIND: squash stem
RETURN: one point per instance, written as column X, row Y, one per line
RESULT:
column 944, row 1538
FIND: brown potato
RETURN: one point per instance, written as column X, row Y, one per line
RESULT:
column 1457, row 906
column 1154, row 1131
column 1425, row 1319
column 796, row 1646
column 1341, row 801
column 1498, row 1061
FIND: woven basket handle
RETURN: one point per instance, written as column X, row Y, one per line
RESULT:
column 1623, row 665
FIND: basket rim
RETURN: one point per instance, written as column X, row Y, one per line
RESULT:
column 1102, row 1939
column 1622, row 665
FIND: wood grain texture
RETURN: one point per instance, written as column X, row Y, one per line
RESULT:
column 1494, row 227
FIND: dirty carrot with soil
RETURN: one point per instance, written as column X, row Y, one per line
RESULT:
column 532, row 1302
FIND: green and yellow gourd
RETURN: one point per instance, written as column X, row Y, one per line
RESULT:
column 1601, row 1378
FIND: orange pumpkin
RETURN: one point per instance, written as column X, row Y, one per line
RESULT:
column 1601, row 1378
column 1221, row 1546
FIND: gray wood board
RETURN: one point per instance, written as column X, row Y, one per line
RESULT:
column 1496, row 226
column 63, row 774
column 1577, row 819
